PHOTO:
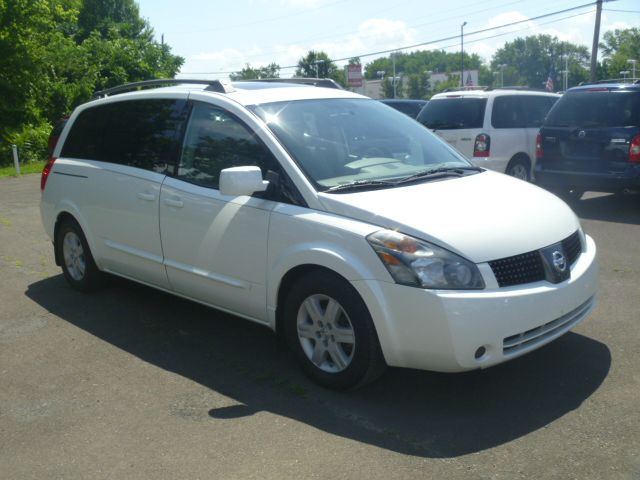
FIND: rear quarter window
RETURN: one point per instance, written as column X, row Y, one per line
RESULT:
column 137, row 133
column 507, row 112
column 520, row 111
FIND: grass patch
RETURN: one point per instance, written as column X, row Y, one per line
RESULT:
column 25, row 169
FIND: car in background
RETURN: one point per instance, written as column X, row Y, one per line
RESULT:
column 410, row 107
column 591, row 141
column 495, row 129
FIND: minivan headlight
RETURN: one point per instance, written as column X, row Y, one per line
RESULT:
column 421, row 264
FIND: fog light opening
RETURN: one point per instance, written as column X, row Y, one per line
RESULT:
column 480, row 353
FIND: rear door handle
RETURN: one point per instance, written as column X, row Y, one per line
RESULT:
column 174, row 202
column 149, row 197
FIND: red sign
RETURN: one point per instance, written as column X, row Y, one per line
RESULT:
column 354, row 75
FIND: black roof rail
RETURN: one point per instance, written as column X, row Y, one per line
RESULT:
column 520, row 87
column 212, row 85
column 630, row 81
column 480, row 88
column 316, row 82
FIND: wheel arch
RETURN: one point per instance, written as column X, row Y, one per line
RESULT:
column 521, row 157
column 69, row 214
column 289, row 279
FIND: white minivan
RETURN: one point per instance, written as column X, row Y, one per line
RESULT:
column 343, row 225
column 494, row 129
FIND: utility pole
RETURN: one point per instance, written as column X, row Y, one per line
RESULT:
column 462, row 54
column 596, row 39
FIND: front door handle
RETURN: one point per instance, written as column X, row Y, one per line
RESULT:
column 174, row 202
column 149, row 197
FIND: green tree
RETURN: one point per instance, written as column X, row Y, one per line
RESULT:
column 452, row 82
column 110, row 19
column 315, row 65
column 52, row 60
column 387, row 87
column 249, row 73
column 528, row 61
column 619, row 46
column 421, row 63
column 417, row 85
column 319, row 65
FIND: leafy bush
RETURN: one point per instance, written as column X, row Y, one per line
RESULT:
column 31, row 142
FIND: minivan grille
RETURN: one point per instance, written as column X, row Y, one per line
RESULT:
column 523, row 340
column 519, row 269
column 572, row 247
column 529, row 267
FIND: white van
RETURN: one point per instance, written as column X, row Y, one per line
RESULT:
column 494, row 129
column 342, row 224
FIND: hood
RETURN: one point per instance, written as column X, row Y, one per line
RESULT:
column 483, row 217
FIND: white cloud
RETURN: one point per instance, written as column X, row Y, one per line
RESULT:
column 380, row 34
column 373, row 34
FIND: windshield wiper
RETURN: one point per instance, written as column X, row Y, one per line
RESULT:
column 360, row 185
column 441, row 172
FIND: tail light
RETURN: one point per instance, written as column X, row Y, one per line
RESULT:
column 45, row 172
column 539, row 149
column 634, row 150
column 482, row 145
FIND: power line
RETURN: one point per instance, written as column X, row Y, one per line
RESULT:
column 622, row 11
column 514, row 31
column 467, row 12
column 444, row 39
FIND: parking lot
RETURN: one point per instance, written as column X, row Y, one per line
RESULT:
column 132, row 383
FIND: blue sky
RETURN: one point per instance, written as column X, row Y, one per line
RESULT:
column 217, row 36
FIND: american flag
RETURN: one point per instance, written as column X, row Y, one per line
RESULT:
column 549, row 84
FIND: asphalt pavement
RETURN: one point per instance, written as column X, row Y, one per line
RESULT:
column 132, row 383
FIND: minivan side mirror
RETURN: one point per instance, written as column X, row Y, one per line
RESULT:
column 237, row 181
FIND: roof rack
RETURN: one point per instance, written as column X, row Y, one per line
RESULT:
column 630, row 81
column 212, row 85
column 466, row 88
column 316, row 82
column 520, row 87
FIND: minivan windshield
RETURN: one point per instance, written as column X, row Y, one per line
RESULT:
column 599, row 108
column 360, row 143
column 453, row 113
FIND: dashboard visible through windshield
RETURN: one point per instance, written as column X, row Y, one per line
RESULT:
column 356, row 142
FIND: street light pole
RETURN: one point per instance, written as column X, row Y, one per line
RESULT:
column 633, row 62
column 624, row 74
column 462, row 54
column 502, row 65
column 393, row 59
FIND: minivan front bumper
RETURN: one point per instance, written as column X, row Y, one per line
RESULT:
column 452, row 331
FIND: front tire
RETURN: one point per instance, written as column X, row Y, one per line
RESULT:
column 77, row 263
column 329, row 329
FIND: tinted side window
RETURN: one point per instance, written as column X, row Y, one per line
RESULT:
column 507, row 112
column 453, row 113
column 138, row 133
column 216, row 140
column 536, row 109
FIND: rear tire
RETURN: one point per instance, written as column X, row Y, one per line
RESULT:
column 329, row 329
column 77, row 263
column 519, row 168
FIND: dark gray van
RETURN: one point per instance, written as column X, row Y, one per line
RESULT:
column 591, row 141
